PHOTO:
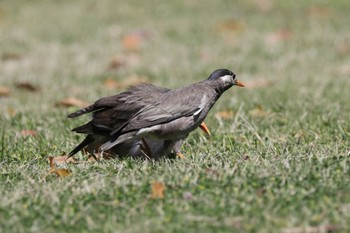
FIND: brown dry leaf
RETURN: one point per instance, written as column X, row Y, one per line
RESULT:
column 134, row 80
column 264, row 5
column 343, row 48
column 60, row 172
column 258, row 112
column 275, row 38
column 4, row 91
column 10, row 56
column 258, row 83
column 231, row 26
column 111, row 84
column 71, row 101
column 225, row 115
column 319, row 11
column 131, row 42
column 27, row 86
column 116, row 63
column 62, row 159
column 11, row 111
column 158, row 189
column 28, row 132
column 128, row 81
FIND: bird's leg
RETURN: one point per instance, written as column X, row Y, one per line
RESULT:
column 204, row 127
column 94, row 156
column 177, row 147
column 146, row 149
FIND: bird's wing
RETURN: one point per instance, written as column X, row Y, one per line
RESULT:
column 173, row 105
column 110, row 113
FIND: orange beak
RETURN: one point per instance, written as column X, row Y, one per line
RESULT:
column 204, row 127
column 238, row 83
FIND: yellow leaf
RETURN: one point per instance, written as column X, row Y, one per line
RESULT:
column 11, row 111
column 60, row 172
column 63, row 159
column 275, row 38
column 112, row 84
column 128, row 81
column 231, row 26
column 71, row 101
column 158, row 189
column 319, row 11
column 225, row 115
column 134, row 80
column 4, row 91
column 258, row 112
column 131, row 42
column 28, row 132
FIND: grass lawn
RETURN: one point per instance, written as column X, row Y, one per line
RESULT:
column 279, row 155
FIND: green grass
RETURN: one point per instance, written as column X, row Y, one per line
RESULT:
column 284, row 171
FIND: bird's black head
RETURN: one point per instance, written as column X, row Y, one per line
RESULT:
column 217, row 74
column 223, row 79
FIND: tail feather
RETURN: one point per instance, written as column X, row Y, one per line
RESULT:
column 89, row 139
column 82, row 111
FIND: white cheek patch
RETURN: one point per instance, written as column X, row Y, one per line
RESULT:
column 226, row 79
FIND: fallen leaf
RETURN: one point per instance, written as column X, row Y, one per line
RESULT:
column 27, row 86
column 134, row 80
column 111, row 84
column 319, row 11
column 231, row 26
column 258, row 112
column 263, row 5
column 71, row 101
column 11, row 111
column 225, row 115
column 158, row 189
column 133, row 40
column 28, row 132
column 128, row 81
column 258, row 83
column 4, row 91
column 60, row 172
column 10, row 56
column 343, row 48
column 62, row 159
column 116, row 63
column 275, row 38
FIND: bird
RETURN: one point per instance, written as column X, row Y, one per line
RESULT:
column 112, row 112
column 177, row 113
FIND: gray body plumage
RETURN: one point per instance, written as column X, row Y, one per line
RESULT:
column 113, row 112
column 163, row 117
